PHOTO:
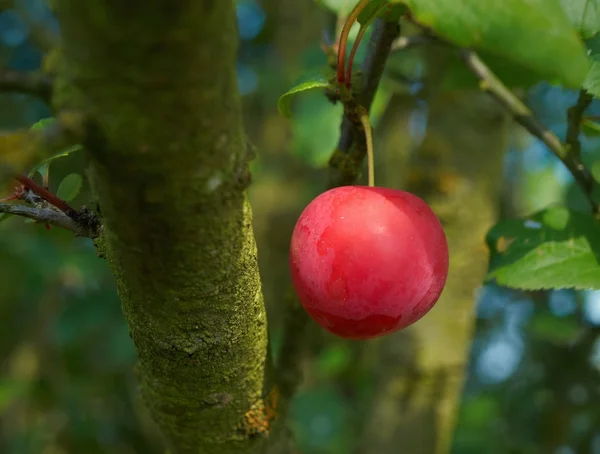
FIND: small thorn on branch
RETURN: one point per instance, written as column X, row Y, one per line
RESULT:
column 31, row 83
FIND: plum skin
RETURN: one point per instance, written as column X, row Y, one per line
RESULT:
column 368, row 261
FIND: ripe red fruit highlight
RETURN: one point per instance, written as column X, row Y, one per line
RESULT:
column 368, row 261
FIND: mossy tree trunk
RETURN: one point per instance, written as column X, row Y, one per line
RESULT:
column 169, row 164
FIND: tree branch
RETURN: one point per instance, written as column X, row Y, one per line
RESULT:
column 49, row 216
column 48, row 209
column 574, row 118
column 32, row 83
column 346, row 162
column 47, row 196
column 568, row 153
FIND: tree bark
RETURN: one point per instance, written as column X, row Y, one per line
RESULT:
column 156, row 80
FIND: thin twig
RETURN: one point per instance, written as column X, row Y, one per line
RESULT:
column 567, row 153
column 574, row 118
column 346, row 162
column 47, row 216
column 31, row 83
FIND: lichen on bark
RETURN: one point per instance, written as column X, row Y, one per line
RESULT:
column 168, row 161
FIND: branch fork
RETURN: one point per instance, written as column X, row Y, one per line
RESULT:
column 48, row 209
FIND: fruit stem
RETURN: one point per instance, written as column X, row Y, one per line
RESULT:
column 366, row 124
column 359, row 37
column 343, row 42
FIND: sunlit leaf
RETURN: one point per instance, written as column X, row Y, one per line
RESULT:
column 43, row 123
column 512, row 29
column 44, row 167
column 375, row 8
column 584, row 15
column 592, row 80
column 555, row 248
column 285, row 101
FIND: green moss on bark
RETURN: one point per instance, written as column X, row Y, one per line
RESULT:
column 169, row 163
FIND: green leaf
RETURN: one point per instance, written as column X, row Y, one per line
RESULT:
column 315, row 128
column 554, row 248
column 372, row 9
column 584, row 15
column 512, row 29
column 540, row 188
column 458, row 76
column 43, row 168
column 43, row 123
column 592, row 80
column 285, row 101
column 69, row 187
column 590, row 128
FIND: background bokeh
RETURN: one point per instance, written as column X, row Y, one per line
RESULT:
column 67, row 364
